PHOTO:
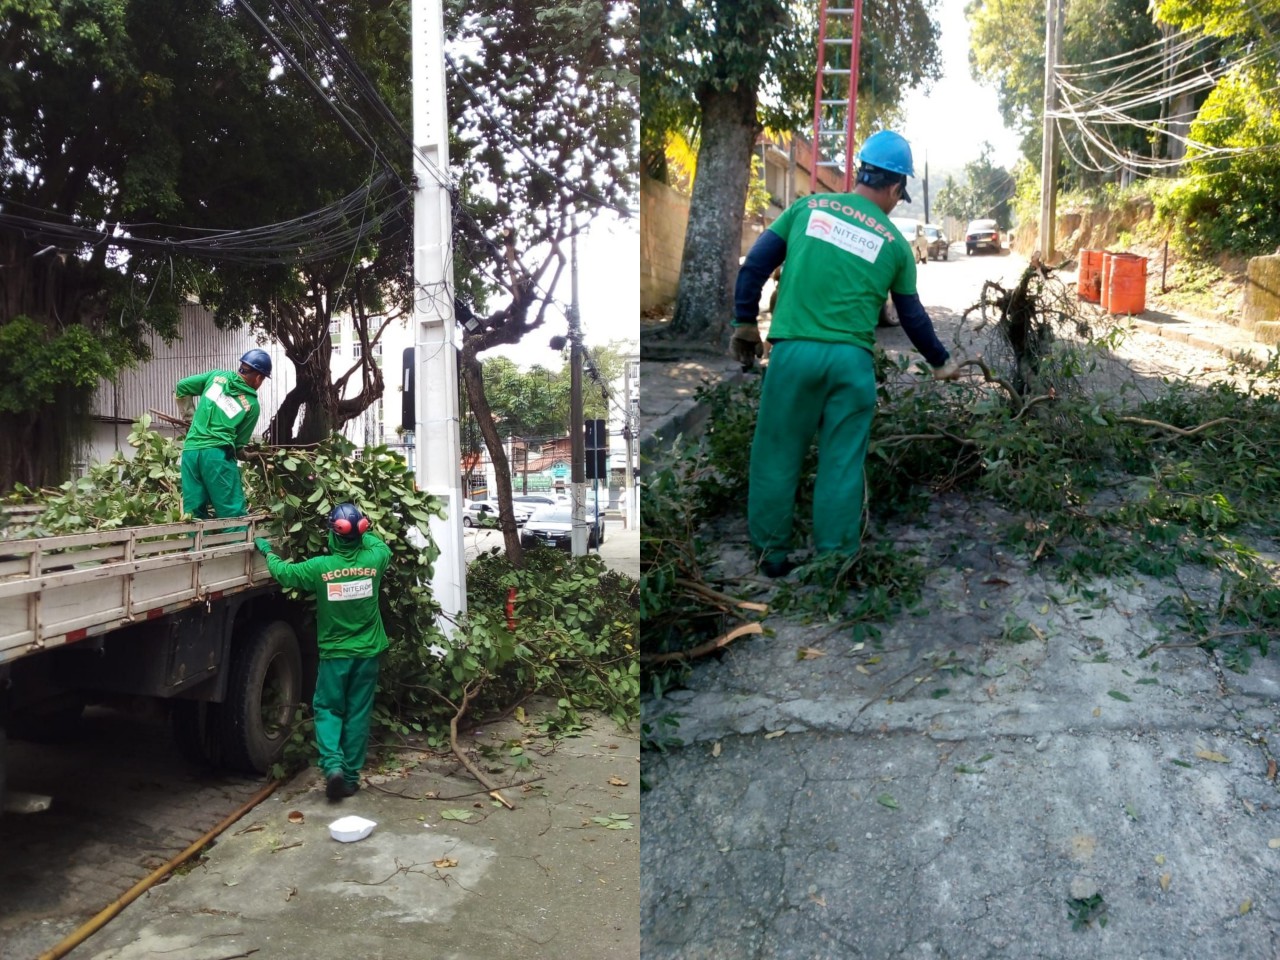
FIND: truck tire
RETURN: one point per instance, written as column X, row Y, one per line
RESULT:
column 262, row 697
column 196, row 731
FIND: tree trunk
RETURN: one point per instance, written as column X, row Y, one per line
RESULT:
column 709, row 268
column 473, row 377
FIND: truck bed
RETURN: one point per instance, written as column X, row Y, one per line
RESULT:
column 59, row 590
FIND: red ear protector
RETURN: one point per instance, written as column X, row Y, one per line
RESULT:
column 342, row 526
column 346, row 520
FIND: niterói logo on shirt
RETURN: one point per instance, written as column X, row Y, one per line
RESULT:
column 859, row 242
column 351, row 590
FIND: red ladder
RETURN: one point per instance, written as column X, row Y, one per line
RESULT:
column 839, row 29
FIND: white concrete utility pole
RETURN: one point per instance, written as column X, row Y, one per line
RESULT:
column 439, row 467
column 630, row 508
column 1049, row 149
column 577, row 423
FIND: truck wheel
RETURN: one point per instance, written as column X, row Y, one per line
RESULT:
column 265, row 690
column 196, row 731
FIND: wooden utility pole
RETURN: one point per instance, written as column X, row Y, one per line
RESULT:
column 1049, row 153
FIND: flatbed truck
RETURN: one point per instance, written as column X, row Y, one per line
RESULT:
column 181, row 614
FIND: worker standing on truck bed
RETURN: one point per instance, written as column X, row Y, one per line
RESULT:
column 350, row 635
column 223, row 407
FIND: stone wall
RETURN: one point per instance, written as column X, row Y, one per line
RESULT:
column 664, row 215
column 1261, row 312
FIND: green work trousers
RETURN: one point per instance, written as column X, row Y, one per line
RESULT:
column 211, row 478
column 830, row 389
column 343, row 702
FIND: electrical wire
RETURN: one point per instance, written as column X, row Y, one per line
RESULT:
column 319, row 235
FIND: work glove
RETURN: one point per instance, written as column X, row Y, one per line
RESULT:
column 745, row 345
column 948, row 371
column 263, row 545
column 186, row 406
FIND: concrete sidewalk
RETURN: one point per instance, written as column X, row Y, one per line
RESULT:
column 446, row 873
column 1010, row 758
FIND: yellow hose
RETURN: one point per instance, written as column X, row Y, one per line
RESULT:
column 97, row 922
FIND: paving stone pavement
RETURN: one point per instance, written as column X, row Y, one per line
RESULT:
column 124, row 803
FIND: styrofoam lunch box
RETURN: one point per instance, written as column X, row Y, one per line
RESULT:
column 350, row 829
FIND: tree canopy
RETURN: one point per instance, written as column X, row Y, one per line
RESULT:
column 190, row 118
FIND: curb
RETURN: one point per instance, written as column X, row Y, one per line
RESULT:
column 1251, row 354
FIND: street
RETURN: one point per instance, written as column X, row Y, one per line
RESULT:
column 620, row 550
column 1017, row 752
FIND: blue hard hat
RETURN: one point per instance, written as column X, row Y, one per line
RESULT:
column 260, row 360
column 888, row 151
column 347, row 521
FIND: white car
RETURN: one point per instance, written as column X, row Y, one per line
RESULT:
column 484, row 513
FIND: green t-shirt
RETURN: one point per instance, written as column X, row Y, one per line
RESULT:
column 843, row 257
column 226, row 411
column 346, row 583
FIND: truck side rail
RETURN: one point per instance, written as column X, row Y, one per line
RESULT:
column 59, row 590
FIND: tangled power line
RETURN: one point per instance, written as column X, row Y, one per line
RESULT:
column 1097, row 97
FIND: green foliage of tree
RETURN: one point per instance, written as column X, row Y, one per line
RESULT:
column 724, row 71
column 1221, row 18
column 987, row 192
column 1227, row 202
column 180, row 113
column 1230, row 204
column 536, row 402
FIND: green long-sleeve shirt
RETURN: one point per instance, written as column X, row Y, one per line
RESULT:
column 346, row 583
column 226, row 409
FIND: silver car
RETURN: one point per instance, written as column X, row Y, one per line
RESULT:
column 913, row 231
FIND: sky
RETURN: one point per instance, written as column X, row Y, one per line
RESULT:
column 952, row 121
column 608, row 295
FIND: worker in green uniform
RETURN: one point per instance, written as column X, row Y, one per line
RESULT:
column 346, row 583
column 842, row 256
column 223, row 407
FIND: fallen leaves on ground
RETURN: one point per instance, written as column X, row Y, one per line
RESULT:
column 1212, row 755
column 444, row 863
column 463, row 815
column 617, row 782
column 809, row 653
column 614, row 821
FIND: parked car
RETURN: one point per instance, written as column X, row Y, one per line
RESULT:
column 551, row 524
column 533, row 500
column 938, row 243
column 913, row 231
column 982, row 235
column 484, row 513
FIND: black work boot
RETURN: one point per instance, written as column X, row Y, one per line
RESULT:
column 335, row 787
column 776, row 568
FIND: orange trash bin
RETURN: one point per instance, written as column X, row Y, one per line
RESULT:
column 1128, row 284
column 1089, row 281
